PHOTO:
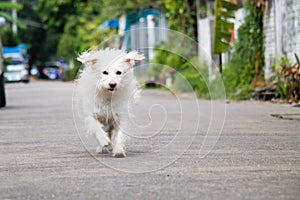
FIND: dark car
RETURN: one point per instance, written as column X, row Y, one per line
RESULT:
column 52, row 71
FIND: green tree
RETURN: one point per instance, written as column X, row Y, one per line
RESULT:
column 182, row 16
column 56, row 14
column 75, row 23
column 35, row 33
column 8, row 6
column 9, row 38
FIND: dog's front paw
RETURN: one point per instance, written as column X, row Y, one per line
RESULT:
column 119, row 154
column 104, row 150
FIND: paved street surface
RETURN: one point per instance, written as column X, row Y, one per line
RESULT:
column 256, row 156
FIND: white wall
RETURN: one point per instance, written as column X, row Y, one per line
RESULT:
column 282, row 31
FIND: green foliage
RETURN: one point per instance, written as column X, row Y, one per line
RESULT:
column 72, row 25
column 57, row 13
column 75, row 23
column 9, row 5
column 182, row 16
column 281, row 90
column 283, row 61
column 67, row 46
column 79, row 20
column 174, row 61
column 187, row 76
column 158, row 64
column 196, row 80
column 181, row 84
column 245, row 68
column 71, row 21
column 9, row 38
column 224, row 11
column 5, row 9
column 34, row 35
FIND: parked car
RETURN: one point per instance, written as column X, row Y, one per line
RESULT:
column 16, row 68
column 52, row 70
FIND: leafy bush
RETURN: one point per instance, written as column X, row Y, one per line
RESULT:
column 187, row 77
column 195, row 78
column 181, row 84
column 289, row 85
column 281, row 90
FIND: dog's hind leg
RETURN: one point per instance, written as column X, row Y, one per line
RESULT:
column 95, row 128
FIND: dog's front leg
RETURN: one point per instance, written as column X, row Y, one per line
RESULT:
column 118, row 144
column 94, row 128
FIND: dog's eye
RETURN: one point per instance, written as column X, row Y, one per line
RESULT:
column 105, row 72
column 118, row 72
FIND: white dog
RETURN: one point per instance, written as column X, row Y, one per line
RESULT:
column 106, row 90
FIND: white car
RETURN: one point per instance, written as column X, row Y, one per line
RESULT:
column 16, row 68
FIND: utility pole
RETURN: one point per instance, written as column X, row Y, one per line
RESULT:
column 14, row 15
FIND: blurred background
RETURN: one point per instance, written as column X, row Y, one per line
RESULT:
column 254, row 43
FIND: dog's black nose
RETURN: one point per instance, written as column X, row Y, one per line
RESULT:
column 112, row 84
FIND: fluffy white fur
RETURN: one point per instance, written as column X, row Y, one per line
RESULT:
column 105, row 92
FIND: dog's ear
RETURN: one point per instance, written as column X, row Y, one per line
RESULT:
column 133, row 56
column 85, row 58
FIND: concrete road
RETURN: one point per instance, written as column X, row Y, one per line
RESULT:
column 256, row 156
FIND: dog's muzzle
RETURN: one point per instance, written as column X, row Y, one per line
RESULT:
column 112, row 86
